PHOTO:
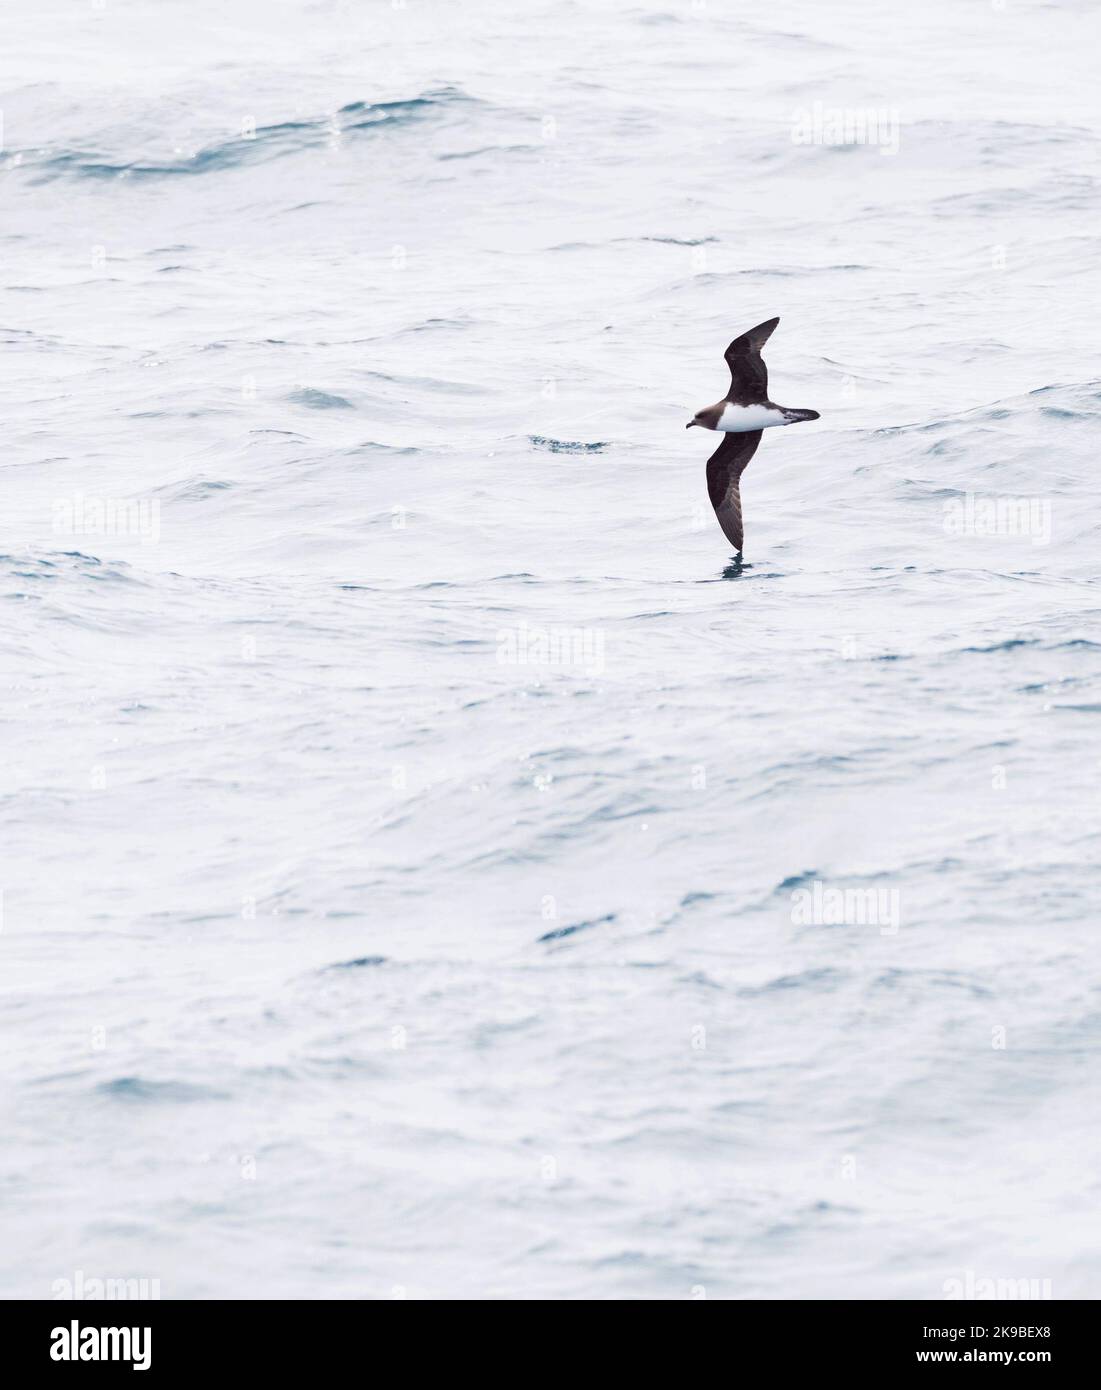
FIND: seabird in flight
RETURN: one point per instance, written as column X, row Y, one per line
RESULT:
column 741, row 417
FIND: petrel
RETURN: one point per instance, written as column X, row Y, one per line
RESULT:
column 741, row 416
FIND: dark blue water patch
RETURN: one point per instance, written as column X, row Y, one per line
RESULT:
column 138, row 1089
column 701, row 978
column 431, row 325
column 266, row 143
column 779, row 1232
column 494, row 150
column 197, row 490
column 690, row 899
column 47, row 571
column 1052, row 386
column 925, row 428
column 314, row 399
column 948, row 864
column 896, row 978
column 674, row 240
column 567, row 446
column 87, row 566
column 560, row 933
column 1061, row 413
column 269, row 142
column 371, row 446
column 797, row 880
column 27, row 335
column 823, row 978
column 923, row 490
column 412, row 108
column 1010, row 644
column 360, row 963
column 609, row 813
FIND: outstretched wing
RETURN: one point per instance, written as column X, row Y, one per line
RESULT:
column 748, row 374
column 725, row 466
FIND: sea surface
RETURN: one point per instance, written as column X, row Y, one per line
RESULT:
column 430, row 866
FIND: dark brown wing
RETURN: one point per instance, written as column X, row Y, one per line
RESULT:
column 748, row 374
column 725, row 466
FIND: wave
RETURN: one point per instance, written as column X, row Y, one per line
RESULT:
column 560, row 932
column 252, row 147
column 69, row 562
column 567, row 446
column 361, row 962
column 138, row 1088
column 313, row 399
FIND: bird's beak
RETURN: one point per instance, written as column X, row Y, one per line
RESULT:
column 689, row 424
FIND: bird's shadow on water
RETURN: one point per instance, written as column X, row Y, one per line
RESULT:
column 736, row 567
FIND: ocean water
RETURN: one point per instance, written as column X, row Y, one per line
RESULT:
column 430, row 868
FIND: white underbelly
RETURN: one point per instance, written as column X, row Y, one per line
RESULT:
column 737, row 419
